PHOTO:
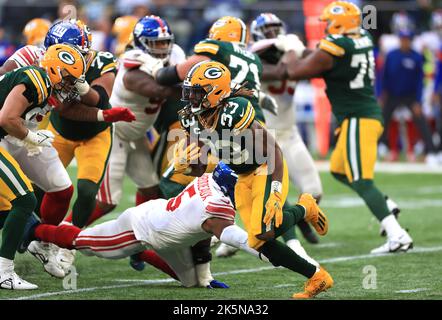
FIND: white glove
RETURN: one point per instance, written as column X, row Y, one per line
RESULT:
column 40, row 138
column 287, row 42
column 82, row 86
column 267, row 102
column 150, row 64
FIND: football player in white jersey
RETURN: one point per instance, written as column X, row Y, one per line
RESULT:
column 205, row 207
column 265, row 30
column 153, row 42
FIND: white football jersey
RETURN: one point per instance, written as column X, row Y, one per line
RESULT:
column 27, row 56
column 282, row 90
column 175, row 223
column 145, row 109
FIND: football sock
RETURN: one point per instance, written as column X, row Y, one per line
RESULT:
column 15, row 223
column 62, row 235
column 154, row 193
column 373, row 198
column 39, row 194
column 290, row 233
column 201, row 251
column 3, row 216
column 341, row 178
column 98, row 212
column 85, row 203
column 292, row 215
column 55, row 205
column 281, row 255
column 391, row 226
column 152, row 258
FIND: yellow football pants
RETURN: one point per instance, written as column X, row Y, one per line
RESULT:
column 356, row 148
column 92, row 155
column 251, row 193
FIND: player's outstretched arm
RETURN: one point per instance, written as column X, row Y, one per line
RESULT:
column 229, row 233
column 143, row 84
column 9, row 65
column 313, row 65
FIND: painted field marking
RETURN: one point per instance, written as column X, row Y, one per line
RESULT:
column 412, row 290
column 135, row 282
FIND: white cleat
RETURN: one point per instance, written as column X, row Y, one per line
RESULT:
column 225, row 251
column 11, row 281
column 46, row 254
column 394, row 210
column 65, row 259
column 296, row 246
column 402, row 243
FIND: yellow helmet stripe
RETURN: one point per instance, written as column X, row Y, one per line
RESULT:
column 36, row 85
column 331, row 48
column 206, row 47
column 243, row 31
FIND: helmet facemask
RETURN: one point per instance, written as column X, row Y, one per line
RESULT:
column 196, row 96
column 65, row 90
column 271, row 31
column 159, row 48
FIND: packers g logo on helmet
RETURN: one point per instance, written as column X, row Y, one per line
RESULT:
column 213, row 73
column 342, row 17
column 66, row 57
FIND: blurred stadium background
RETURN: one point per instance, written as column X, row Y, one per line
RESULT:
column 191, row 19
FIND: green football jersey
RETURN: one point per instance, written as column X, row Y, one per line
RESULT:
column 243, row 65
column 229, row 140
column 38, row 89
column 168, row 114
column 350, row 81
column 99, row 64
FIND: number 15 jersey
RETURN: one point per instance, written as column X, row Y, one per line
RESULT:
column 350, row 81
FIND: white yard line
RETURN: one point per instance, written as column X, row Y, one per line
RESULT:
column 138, row 282
column 412, row 290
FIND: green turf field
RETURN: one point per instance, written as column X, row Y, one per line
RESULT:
column 344, row 252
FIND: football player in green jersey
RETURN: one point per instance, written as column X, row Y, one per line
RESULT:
column 23, row 96
column 224, row 119
column 344, row 58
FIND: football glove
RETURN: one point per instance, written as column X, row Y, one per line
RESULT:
column 82, row 86
column 116, row 114
column 287, row 42
column 267, row 102
column 150, row 65
column 274, row 205
column 182, row 157
column 40, row 138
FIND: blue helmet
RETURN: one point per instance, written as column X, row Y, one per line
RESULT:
column 69, row 32
column 225, row 178
column 267, row 26
column 152, row 34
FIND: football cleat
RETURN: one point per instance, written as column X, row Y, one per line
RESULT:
column 225, row 251
column 313, row 214
column 46, row 254
column 215, row 284
column 394, row 210
column 402, row 243
column 136, row 263
column 11, row 281
column 65, row 259
column 319, row 282
column 307, row 232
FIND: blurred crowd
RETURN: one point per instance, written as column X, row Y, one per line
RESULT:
column 408, row 57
